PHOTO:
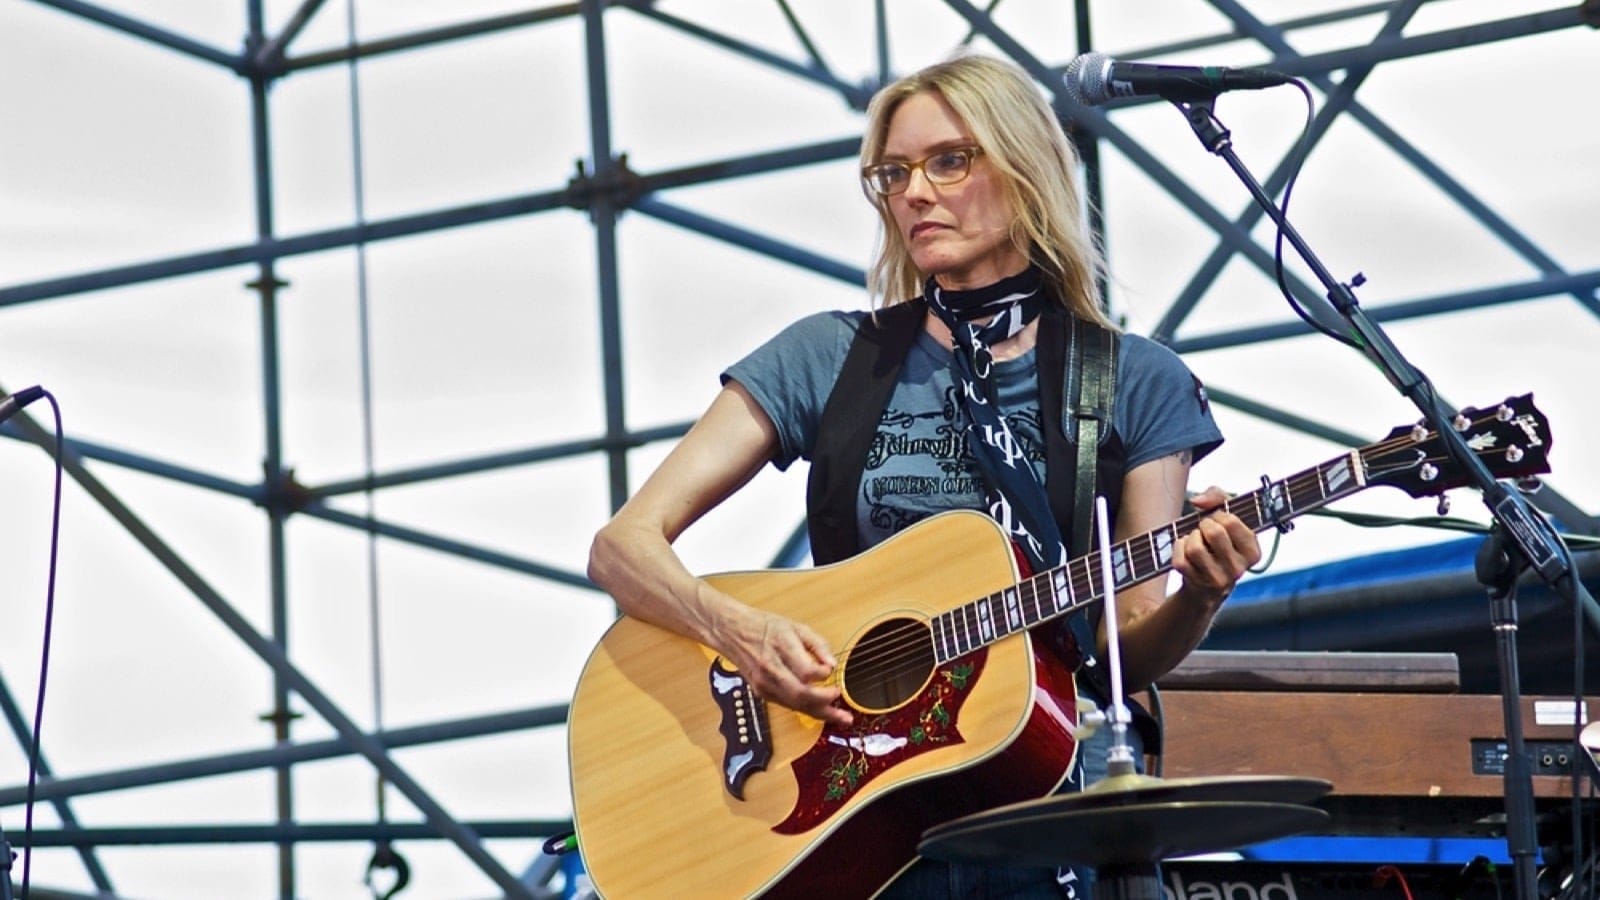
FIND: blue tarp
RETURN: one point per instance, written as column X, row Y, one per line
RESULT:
column 1447, row 558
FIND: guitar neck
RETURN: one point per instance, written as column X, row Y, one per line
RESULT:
column 1077, row 584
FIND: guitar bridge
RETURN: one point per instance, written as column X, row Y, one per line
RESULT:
column 747, row 744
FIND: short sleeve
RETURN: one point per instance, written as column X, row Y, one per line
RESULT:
column 1161, row 406
column 791, row 376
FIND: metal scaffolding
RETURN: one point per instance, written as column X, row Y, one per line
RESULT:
column 603, row 187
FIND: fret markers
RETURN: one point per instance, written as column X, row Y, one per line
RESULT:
column 1061, row 588
column 1335, row 477
column 1163, row 546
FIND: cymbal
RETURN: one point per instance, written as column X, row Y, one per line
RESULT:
column 1051, row 832
column 1134, row 788
column 1122, row 790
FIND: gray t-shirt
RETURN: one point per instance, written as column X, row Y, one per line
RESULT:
column 920, row 464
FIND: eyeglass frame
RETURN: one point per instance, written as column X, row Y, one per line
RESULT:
column 969, row 152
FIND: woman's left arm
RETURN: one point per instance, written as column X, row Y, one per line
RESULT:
column 1157, row 631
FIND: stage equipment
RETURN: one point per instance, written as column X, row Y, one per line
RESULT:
column 1126, row 823
column 1521, row 538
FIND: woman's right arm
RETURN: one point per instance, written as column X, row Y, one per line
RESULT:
column 632, row 559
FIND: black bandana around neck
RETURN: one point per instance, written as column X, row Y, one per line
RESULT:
column 1016, row 499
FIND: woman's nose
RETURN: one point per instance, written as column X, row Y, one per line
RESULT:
column 918, row 187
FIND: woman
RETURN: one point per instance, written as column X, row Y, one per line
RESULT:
column 972, row 178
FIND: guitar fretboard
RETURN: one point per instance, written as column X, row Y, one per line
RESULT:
column 1077, row 584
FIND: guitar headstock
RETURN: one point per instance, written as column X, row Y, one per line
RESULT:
column 1512, row 439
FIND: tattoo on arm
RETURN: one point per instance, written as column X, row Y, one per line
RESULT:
column 1183, row 458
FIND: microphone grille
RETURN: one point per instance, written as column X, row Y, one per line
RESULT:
column 1085, row 78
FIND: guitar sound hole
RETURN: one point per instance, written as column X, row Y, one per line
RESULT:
column 889, row 665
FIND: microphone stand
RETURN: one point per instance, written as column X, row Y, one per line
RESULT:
column 1523, row 539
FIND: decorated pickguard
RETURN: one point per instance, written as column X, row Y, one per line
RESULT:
column 845, row 760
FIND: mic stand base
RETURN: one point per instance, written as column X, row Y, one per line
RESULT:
column 1498, row 565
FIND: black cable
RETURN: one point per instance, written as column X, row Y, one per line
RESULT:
column 1158, row 762
column 1441, row 523
column 44, row 656
column 1271, row 556
column 1301, row 150
column 1577, row 742
column 384, row 855
column 561, row 844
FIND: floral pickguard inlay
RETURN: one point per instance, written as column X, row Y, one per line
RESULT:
column 843, row 761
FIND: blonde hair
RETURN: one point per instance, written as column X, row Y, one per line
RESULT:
column 1023, row 141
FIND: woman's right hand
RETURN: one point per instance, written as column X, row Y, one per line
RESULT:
column 632, row 560
column 784, row 661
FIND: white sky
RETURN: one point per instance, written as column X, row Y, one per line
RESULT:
column 115, row 151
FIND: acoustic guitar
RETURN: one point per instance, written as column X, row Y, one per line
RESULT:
column 686, row 785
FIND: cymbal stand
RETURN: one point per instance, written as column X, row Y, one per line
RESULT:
column 1140, row 879
column 1119, row 758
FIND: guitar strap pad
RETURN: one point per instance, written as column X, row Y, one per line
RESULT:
column 1086, row 356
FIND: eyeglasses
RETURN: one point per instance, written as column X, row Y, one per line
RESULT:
column 945, row 167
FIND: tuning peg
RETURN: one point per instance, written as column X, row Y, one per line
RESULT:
column 1514, row 454
column 1461, row 423
column 1529, row 484
column 1504, row 412
column 1443, row 506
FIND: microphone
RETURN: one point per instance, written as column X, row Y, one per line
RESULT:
column 13, row 404
column 1094, row 78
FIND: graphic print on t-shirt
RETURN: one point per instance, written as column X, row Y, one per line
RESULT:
column 920, row 463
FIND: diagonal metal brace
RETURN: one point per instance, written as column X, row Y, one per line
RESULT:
column 438, row 818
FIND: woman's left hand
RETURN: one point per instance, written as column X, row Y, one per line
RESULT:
column 1214, row 556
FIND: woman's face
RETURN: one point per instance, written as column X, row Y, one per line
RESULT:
column 958, row 233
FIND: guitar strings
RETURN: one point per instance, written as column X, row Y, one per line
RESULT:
column 885, row 658
column 899, row 652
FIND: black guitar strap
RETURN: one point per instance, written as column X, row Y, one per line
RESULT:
column 849, row 423
column 1090, row 376
column 1091, row 380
